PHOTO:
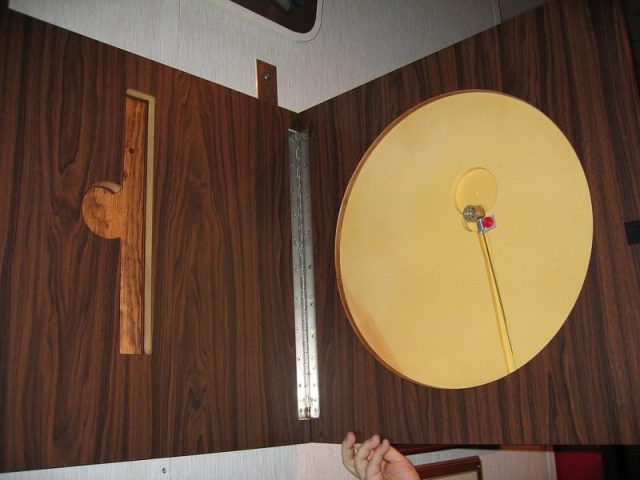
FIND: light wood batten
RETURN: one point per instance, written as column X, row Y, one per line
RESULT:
column 125, row 212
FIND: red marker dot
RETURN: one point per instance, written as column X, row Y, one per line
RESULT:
column 488, row 222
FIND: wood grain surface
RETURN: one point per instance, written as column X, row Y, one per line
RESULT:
column 116, row 211
column 267, row 81
column 452, row 468
column 222, row 373
column 571, row 60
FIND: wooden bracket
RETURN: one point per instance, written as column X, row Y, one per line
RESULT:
column 125, row 212
column 267, row 80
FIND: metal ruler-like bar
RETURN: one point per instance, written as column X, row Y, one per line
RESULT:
column 303, row 283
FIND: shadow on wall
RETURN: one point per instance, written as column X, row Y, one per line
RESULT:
column 513, row 8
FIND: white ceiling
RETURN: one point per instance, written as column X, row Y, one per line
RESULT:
column 358, row 40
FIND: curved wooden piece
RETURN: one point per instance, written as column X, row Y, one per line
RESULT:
column 102, row 209
column 124, row 212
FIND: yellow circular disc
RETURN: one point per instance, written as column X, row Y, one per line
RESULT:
column 434, row 299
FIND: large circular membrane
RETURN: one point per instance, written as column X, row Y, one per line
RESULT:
column 416, row 284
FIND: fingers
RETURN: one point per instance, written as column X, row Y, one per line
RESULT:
column 367, row 460
column 348, row 452
column 374, row 466
column 363, row 453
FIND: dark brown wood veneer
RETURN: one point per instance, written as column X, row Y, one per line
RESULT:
column 222, row 373
column 571, row 60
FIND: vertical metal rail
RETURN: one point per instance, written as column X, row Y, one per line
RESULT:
column 303, row 283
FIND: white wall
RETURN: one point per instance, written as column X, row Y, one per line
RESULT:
column 358, row 39
column 313, row 461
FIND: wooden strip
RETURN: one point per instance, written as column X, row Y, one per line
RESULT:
column 124, row 212
column 267, row 80
column 148, row 220
column 412, row 449
column 496, row 297
column 451, row 467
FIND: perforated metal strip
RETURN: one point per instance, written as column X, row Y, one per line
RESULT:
column 303, row 283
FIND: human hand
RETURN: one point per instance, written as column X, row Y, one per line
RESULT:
column 375, row 460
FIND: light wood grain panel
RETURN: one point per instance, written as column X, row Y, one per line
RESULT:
column 124, row 212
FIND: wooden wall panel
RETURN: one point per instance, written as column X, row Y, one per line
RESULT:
column 571, row 60
column 222, row 373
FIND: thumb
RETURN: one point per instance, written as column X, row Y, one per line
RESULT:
column 392, row 455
